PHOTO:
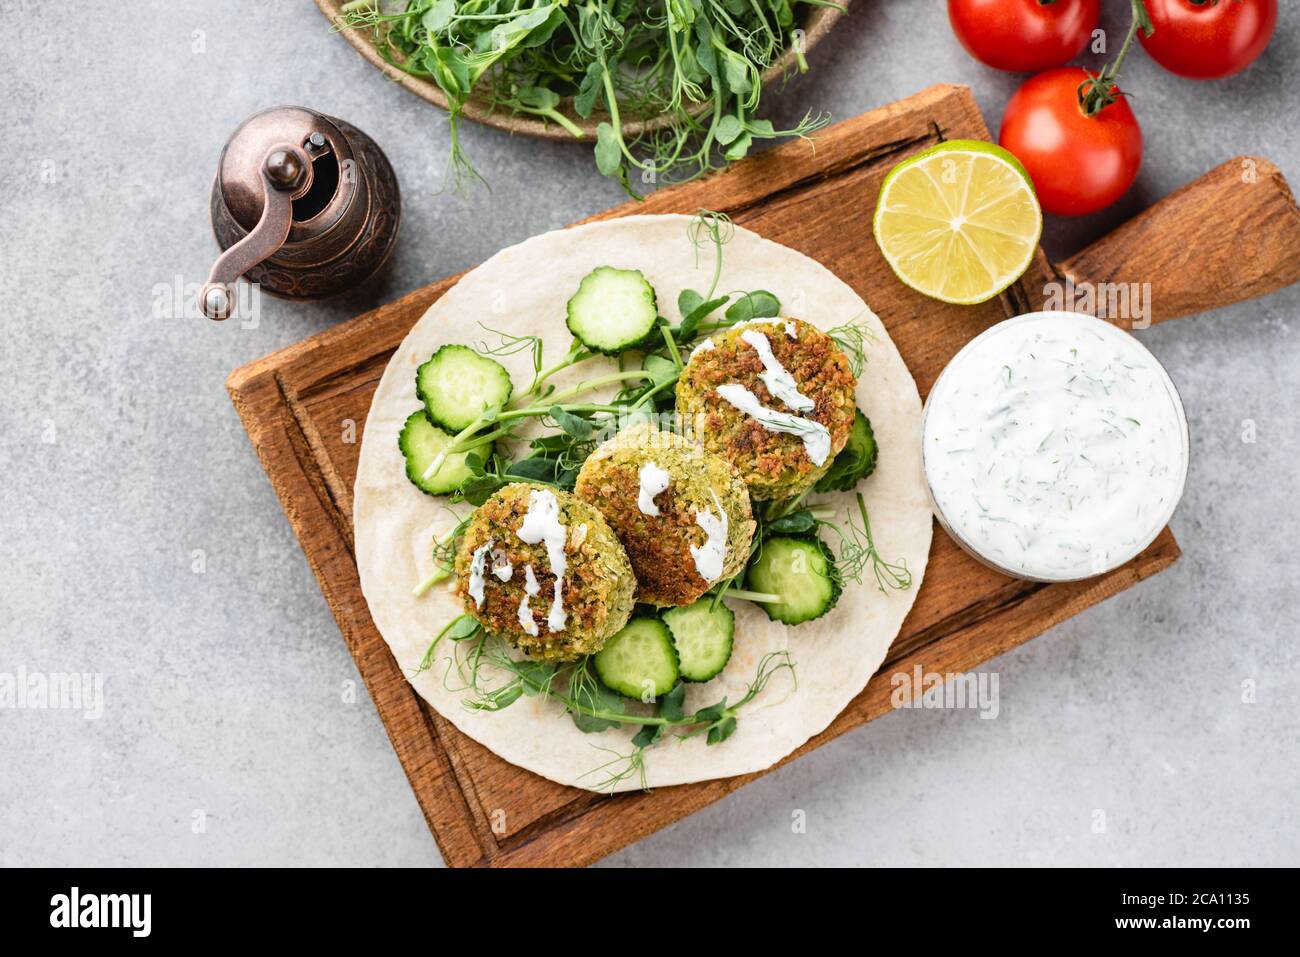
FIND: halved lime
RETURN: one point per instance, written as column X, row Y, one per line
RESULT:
column 959, row 222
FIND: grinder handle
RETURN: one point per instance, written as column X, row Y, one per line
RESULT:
column 286, row 175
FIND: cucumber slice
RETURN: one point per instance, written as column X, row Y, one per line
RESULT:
column 457, row 384
column 702, row 635
column 639, row 661
column 856, row 460
column 613, row 310
column 420, row 443
column 799, row 568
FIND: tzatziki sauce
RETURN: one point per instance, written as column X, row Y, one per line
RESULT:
column 816, row 437
column 501, row 566
column 542, row 524
column 711, row 557
column 1055, row 446
column 477, row 565
column 775, row 376
column 652, row 480
column 531, row 587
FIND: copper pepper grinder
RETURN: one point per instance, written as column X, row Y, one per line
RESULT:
column 303, row 204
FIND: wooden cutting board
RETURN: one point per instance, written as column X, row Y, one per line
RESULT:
column 1231, row 235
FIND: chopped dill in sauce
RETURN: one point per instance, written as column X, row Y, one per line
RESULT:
column 1055, row 446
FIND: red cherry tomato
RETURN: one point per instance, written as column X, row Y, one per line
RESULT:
column 1079, row 164
column 1023, row 36
column 1208, row 39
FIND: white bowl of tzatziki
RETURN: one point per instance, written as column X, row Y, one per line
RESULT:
column 1055, row 447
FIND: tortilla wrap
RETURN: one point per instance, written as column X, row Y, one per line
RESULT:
column 523, row 291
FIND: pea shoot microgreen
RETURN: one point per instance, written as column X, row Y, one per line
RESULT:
column 444, row 555
column 695, row 65
column 857, row 553
column 495, row 679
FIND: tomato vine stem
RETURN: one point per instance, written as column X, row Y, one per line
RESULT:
column 1099, row 91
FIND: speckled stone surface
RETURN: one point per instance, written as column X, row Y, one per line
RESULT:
column 140, row 539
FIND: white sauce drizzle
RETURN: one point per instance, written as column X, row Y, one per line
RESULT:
column 557, row 617
column 501, row 566
column 706, row 346
column 712, row 555
column 531, row 588
column 1055, row 446
column 542, row 524
column 791, row 329
column 653, row 481
column 476, row 567
column 816, row 437
column 775, row 376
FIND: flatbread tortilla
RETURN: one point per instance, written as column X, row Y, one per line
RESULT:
column 522, row 291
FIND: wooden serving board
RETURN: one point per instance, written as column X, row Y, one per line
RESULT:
column 1231, row 235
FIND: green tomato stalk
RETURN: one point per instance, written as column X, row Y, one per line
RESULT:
column 1099, row 91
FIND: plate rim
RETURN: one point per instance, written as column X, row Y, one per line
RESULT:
column 820, row 21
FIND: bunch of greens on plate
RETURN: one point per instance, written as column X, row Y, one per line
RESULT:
column 697, row 63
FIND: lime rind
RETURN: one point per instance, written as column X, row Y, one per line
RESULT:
column 981, row 241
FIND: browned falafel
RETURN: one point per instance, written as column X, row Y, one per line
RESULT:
column 667, row 499
column 506, row 572
column 815, row 408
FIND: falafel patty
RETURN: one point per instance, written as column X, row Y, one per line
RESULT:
column 775, row 398
column 544, row 570
column 683, row 514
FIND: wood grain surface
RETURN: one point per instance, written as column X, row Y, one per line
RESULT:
column 305, row 408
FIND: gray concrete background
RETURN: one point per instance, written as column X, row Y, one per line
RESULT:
column 224, row 691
